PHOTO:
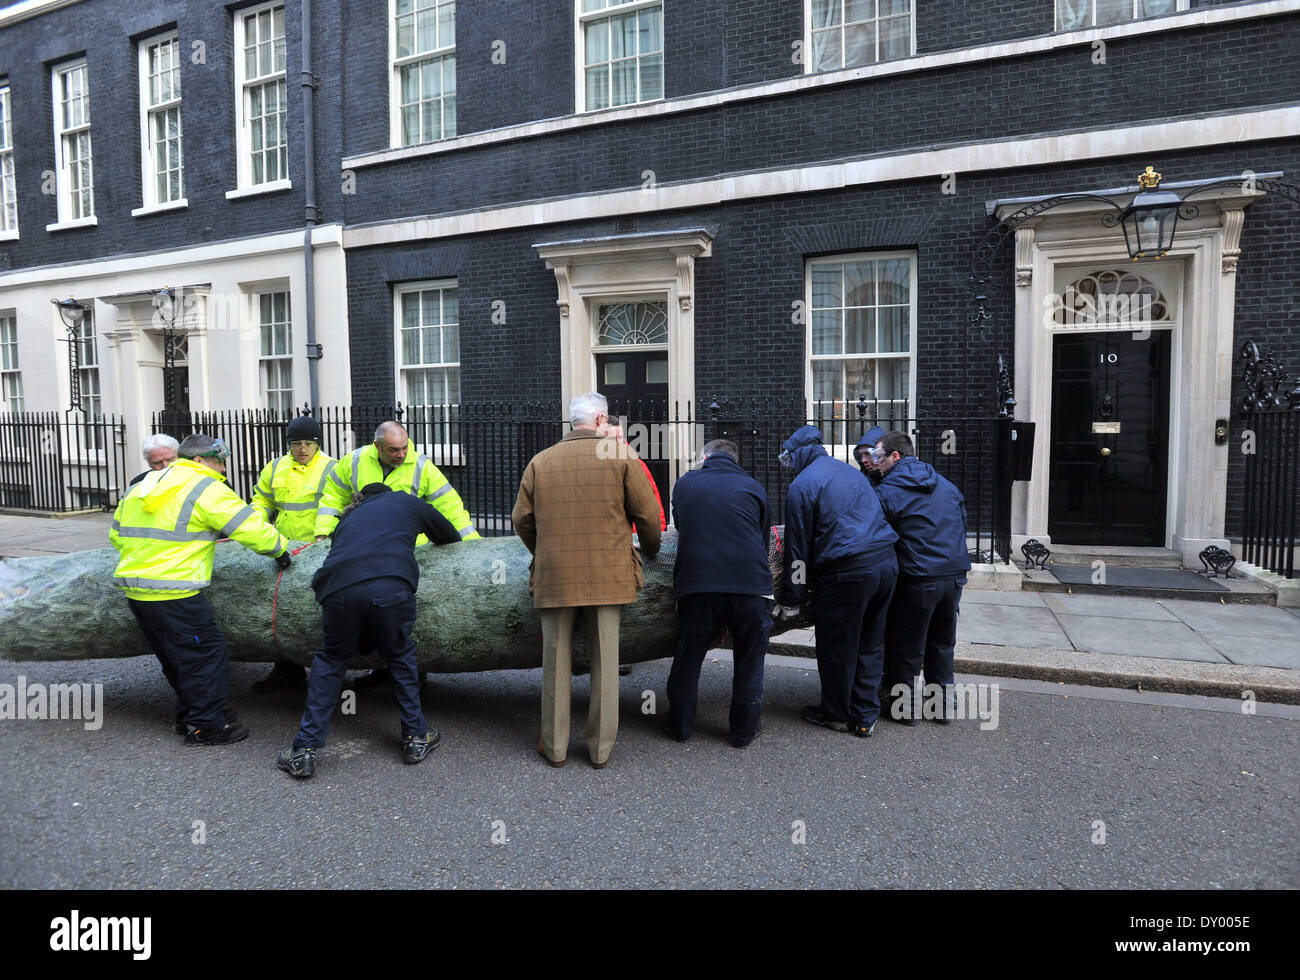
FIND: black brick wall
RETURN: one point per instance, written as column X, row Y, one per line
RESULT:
column 1248, row 65
column 746, row 344
column 107, row 33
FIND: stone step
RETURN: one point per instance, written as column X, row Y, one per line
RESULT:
column 1078, row 554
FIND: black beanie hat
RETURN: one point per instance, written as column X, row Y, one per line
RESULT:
column 304, row 427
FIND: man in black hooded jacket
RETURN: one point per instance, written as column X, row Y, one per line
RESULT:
column 366, row 589
column 929, row 514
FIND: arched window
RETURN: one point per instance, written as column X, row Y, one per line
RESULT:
column 1111, row 296
column 631, row 324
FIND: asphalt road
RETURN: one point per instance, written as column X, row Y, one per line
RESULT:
column 1193, row 794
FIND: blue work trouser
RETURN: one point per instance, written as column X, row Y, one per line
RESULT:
column 378, row 612
column 184, row 637
column 700, row 619
column 922, row 634
column 849, row 616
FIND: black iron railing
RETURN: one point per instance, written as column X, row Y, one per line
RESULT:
column 1271, row 515
column 483, row 448
column 60, row 463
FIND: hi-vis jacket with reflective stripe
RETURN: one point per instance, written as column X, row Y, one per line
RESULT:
column 166, row 526
column 288, row 493
column 415, row 476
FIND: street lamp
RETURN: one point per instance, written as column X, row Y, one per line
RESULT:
column 164, row 307
column 1150, row 221
column 73, row 314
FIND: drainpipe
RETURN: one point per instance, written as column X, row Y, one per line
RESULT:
column 312, row 212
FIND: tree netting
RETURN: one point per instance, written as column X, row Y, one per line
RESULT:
column 474, row 608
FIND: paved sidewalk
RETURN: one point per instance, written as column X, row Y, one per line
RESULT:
column 26, row 536
column 1178, row 645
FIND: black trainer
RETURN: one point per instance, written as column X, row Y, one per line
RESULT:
column 416, row 747
column 179, row 727
column 299, row 762
column 887, row 711
column 864, row 731
column 814, row 715
column 225, row 735
column 740, row 743
column 284, row 676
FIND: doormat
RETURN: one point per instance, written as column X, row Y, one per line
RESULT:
column 1127, row 576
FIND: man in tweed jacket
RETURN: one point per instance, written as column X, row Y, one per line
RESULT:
column 577, row 503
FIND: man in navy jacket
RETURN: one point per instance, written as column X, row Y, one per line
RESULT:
column 865, row 453
column 929, row 514
column 366, row 588
column 837, row 541
column 722, row 581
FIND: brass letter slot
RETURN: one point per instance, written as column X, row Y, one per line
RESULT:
column 1105, row 428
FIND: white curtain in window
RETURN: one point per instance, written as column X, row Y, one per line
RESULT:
column 826, row 52
column 1072, row 14
column 1154, row 8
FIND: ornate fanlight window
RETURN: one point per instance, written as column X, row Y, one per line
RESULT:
column 1109, row 297
column 639, row 324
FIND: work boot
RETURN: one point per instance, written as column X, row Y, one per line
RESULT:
column 225, row 735
column 285, row 675
column 416, row 747
column 299, row 762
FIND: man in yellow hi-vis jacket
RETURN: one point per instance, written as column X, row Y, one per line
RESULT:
column 388, row 461
column 288, row 492
column 165, row 531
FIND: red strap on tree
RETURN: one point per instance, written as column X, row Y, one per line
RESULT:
column 275, row 598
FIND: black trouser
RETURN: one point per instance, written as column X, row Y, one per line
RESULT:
column 377, row 613
column 184, row 637
column 849, row 615
column 922, row 634
column 700, row 618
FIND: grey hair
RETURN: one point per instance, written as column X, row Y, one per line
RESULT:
column 584, row 409
column 158, row 441
column 387, row 427
column 194, row 446
column 721, row 447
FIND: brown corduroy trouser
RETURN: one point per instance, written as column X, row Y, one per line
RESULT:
column 557, row 679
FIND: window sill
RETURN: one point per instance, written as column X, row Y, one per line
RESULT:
column 9, row 236
column 271, row 188
column 74, row 223
column 149, row 209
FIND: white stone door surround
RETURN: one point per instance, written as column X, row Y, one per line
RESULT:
column 1206, row 250
column 619, row 267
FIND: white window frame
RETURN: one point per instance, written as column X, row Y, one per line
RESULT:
column 838, row 450
column 581, row 19
column 265, row 361
column 444, row 452
column 148, row 162
column 395, row 66
column 810, row 67
column 8, row 177
column 11, row 374
column 1180, row 5
column 243, row 123
column 68, row 216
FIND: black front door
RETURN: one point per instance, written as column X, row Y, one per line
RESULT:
column 636, row 384
column 1110, row 438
